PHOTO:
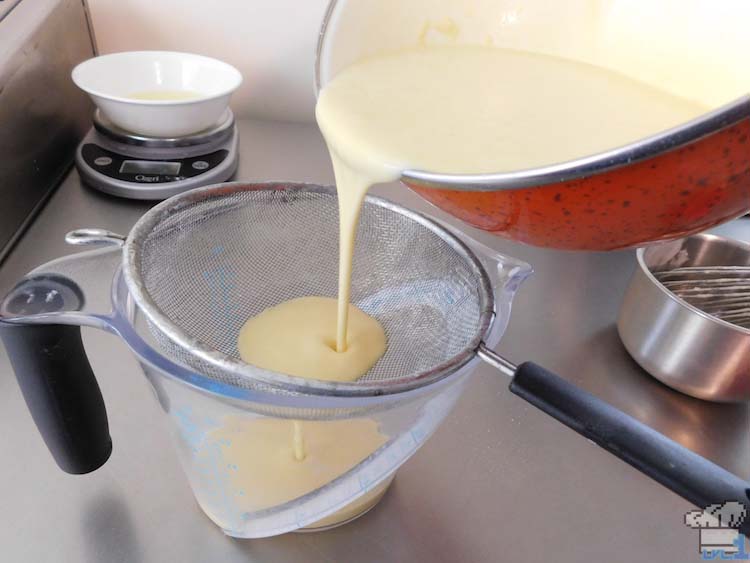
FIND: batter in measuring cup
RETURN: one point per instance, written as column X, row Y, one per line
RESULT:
column 272, row 461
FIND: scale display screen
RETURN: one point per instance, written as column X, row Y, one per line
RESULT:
column 150, row 167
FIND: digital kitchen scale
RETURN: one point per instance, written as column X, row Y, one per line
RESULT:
column 125, row 164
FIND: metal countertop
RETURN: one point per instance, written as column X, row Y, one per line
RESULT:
column 499, row 481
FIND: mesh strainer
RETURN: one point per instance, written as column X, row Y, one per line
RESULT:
column 200, row 264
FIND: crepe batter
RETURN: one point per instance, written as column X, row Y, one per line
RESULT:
column 268, row 472
column 456, row 109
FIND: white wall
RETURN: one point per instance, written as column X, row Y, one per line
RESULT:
column 272, row 42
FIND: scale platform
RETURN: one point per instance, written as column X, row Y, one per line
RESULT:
column 128, row 165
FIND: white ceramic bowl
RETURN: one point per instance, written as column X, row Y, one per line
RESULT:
column 114, row 81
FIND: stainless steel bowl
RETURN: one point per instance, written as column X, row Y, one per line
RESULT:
column 677, row 343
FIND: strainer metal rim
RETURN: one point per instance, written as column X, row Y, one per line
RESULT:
column 132, row 250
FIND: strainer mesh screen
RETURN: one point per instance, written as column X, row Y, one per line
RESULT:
column 211, row 264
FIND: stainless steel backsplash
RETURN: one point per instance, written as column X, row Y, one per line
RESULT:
column 42, row 114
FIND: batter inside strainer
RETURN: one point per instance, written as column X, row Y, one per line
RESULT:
column 298, row 337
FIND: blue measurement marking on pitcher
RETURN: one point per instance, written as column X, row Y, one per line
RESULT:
column 361, row 480
column 208, row 463
column 221, row 280
column 411, row 294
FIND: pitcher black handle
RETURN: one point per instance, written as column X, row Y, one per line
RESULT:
column 684, row 472
column 61, row 393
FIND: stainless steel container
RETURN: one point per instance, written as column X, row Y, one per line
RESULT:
column 677, row 343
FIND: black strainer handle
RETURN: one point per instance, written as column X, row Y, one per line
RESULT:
column 61, row 393
column 684, row 472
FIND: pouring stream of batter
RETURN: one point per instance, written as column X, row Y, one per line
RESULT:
column 454, row 109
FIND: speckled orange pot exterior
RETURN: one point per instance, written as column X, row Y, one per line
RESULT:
column 669, row 195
